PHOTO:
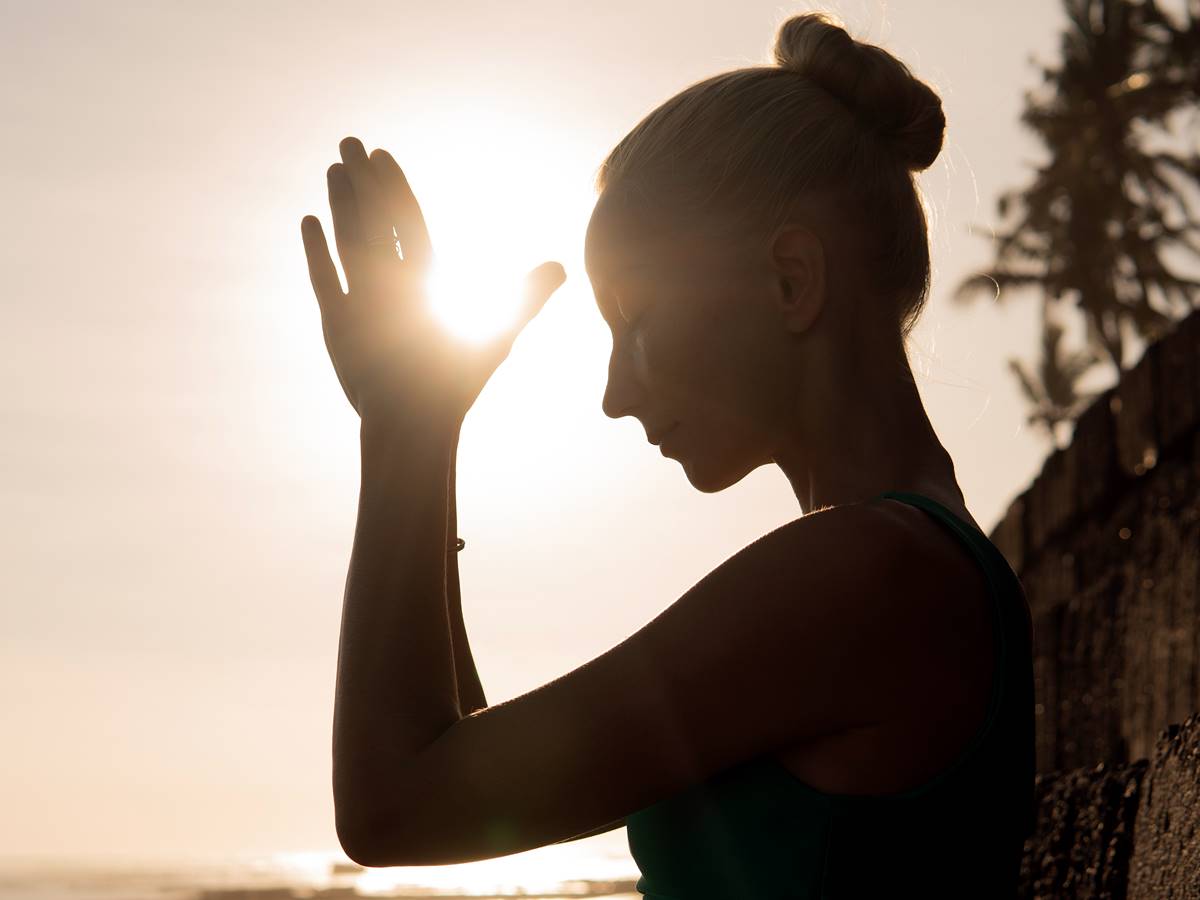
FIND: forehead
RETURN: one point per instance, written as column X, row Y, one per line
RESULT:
column 624, row 240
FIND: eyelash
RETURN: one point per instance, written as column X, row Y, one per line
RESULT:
column 625, row 318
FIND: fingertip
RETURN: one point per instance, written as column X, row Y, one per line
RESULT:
column 351, row 148
column 552, row 274
column 334, row 170
column 386, row 164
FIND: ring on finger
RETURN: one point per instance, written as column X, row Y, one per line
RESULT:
column 383, row 243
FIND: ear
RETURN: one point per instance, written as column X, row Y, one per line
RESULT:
column 799, row 259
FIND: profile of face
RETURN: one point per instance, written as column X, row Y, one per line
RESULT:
column 703, row 350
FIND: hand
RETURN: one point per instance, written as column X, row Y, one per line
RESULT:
column 392, row 358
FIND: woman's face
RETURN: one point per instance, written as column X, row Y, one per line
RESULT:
column 699, row 356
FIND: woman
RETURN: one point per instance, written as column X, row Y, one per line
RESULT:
column 844, row 707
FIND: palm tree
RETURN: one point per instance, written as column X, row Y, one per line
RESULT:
column 1051, row 389
column 1094, row 225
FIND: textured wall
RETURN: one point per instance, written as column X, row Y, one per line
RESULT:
column 1083, row 840
column 1166, row 859
column 1111, row 832
column 1107, row 543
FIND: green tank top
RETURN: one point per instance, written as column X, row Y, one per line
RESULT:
column 757, row 831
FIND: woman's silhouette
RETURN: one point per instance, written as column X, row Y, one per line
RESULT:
column 841, row 709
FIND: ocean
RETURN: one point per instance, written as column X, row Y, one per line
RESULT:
column 594, row 867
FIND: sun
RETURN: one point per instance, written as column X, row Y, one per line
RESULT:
column 475, row 298
column 501, row 192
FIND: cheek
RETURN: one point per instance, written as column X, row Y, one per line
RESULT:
column 674, row 352
column 693, row 353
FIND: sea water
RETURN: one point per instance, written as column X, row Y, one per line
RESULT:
column 598, row 866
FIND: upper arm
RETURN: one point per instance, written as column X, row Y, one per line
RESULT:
column 795, row 636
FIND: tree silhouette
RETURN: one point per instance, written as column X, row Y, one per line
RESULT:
column 1111, row 202
column 1051, row 388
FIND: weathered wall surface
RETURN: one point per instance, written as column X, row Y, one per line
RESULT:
column 1166, row 836
column 1107, row 543
column 1084, row 835
column 1111, row 832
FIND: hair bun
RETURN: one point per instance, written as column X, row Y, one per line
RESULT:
column 875, row 85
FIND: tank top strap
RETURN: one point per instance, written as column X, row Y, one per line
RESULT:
column 986, row 554
column 936, row 509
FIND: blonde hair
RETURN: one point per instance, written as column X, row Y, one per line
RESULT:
column 831, row 114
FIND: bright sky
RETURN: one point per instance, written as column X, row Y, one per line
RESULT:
column 179, row 467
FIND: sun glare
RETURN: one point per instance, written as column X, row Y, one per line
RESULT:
column 494, row 212
column 475, row 299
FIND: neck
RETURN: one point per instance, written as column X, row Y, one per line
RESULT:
column 857, row 434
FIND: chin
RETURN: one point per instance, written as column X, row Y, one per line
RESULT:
column 710, row 477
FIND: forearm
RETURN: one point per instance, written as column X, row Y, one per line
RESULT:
column 395, row 690
column 470, row 690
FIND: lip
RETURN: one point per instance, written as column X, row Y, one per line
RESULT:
column 658, row 439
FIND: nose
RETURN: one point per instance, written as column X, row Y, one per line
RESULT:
column 622, row 392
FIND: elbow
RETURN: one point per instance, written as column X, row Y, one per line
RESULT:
column 356, row 826
column 375, row 827
column 354, row 820
column 373, row 839
column 359, row 843
column 350, row 837
column 375, row 846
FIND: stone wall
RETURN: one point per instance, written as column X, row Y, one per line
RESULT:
column 1083, row 840
column 1107, row 543
column 1166, row 840
column 1111, row 832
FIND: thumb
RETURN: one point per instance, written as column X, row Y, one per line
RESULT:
column 540, row 283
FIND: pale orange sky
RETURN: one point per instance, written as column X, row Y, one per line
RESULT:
column 179, row 467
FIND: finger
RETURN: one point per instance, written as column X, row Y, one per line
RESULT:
column 405, row 212
column 539, row 285
column 321, row 271
column 374, row 218
column 346, row 231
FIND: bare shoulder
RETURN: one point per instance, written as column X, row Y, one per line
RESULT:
column 939, row 574
column 937, row 668
column 916, row 574
column 947, row 585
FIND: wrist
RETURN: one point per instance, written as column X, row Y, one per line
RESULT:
column 407, row 435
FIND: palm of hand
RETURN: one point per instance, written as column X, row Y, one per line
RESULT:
column 391, row 356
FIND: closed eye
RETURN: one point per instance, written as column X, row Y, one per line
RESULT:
column 630, row 313
column 610, row 309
